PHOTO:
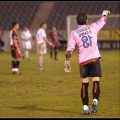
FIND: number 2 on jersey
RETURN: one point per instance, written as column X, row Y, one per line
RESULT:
column 86, row 41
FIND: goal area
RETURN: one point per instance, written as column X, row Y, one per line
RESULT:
column 110, row 31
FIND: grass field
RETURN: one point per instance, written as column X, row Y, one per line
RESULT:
column 53, row 93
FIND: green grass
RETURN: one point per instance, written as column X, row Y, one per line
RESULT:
column 53, row 93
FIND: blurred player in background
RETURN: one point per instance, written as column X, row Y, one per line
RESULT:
column 41, row 40
column 2, row 42
column 26, row 42
column 15, row 48
column 85, row 36
column 54, row 39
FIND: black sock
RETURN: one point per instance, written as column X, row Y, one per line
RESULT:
column 55, row 53
column 84, row 93
column 50, row 54
column 96, row 90
column 13, row 64
column 17, row 64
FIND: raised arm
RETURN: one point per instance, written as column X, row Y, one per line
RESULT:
column 100, row 23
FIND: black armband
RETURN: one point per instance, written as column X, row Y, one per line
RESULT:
column 68, row 55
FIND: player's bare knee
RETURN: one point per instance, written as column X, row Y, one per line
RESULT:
column 13, row 59
column 85, row 80
column 95, row 79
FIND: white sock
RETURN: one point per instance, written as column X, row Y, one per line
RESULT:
column 13, row 69
column 85, row 107
column 95, row 101
column 41, row 61
column 16, row 69
column 26, row 54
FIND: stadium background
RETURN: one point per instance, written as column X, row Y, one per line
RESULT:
column 31, row 14
column 54, row 93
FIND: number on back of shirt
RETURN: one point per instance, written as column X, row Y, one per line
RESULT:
column 86, row 41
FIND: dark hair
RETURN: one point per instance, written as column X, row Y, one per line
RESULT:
column 42, row 24
column 14, row 23
column 81, row 18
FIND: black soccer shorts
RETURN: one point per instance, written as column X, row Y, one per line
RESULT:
column 55, row 48
column 92, row 69
column 15, row 54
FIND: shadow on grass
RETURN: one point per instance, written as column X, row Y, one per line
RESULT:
column 33, row 107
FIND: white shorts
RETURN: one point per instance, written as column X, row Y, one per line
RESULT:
column 27, row 45
column 41, row 49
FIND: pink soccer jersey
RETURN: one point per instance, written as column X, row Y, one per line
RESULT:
column 85, row 37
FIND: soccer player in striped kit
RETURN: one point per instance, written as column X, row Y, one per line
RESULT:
column 15, row 48
column 54, row 39
column 85, row 37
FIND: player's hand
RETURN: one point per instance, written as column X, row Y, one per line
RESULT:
column 105, row 12
column 19, row 52
column 67, row 67
column 50, row 44
column 53, row 46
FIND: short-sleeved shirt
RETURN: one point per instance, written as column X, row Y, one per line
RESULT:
column 39, row 36
column 54, row 37
column 26, row 35
column 85, row 37
column 14, row 37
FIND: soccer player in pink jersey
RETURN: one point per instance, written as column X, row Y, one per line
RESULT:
column 85, row 38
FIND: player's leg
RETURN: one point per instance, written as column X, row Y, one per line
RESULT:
column 96, row 74
column 26, row 54
column 55, row 52
column 84, row 95
column 13, row 61
column 51, row 52
column 41, row 51
column 13, row 65
column 95, row 93
column 28, row 48
column 40, row 57
column 84, row 72
column 25, row 50
column 24, row 47
column 41, row 62
column 17, row 64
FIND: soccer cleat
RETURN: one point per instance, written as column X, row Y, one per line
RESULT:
column 94, row 108
column 87, row 112
column 41, row 68
column 56, row 59
column 13, row 72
